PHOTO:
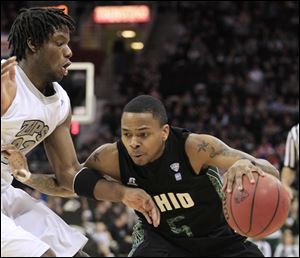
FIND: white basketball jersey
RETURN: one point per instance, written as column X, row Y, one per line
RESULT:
column 30, row 118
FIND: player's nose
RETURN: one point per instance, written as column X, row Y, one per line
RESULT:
column 134, row 143
column 68, row 52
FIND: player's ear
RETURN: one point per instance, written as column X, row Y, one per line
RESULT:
column 165, row 131
column 31, row 45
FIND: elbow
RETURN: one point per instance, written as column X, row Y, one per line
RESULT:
column 64, row 181
column 65, row 177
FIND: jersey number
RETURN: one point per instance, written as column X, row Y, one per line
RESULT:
column 179, row 230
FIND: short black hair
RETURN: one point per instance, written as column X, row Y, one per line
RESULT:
column 148, row 104
column 37, row 23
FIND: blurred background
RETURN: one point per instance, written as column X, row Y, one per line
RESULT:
column 226, row 68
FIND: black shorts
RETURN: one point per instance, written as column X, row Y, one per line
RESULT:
column 154, row 245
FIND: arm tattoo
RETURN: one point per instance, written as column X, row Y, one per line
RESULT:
column 202, row 146
column 223, row 150
column 96, row 157
column 218, row 148
column 48, row 184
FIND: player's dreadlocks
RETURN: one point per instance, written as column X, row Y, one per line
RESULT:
column 36, row 23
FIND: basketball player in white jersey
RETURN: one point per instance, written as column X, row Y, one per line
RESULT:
column 35, row 108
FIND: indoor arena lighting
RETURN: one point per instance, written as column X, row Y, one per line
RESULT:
column 121, row 14
column 128, row 34
column 137, row 45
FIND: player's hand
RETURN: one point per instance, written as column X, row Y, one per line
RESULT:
column 8, row 83
column 17, row 162
column 235, row 174
column 139, row 200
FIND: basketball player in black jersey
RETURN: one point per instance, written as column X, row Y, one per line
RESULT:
column 179, row 170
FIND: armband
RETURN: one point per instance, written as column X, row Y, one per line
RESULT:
column 85, row 181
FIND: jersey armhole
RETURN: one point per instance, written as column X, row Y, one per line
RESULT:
column 67, row 114
column 120, row 151
column 186, row 158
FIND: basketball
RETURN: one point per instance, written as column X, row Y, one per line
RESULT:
column 260, row 209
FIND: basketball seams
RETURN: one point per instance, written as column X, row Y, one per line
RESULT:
column 252, row 204
column 248, row 219
column 275, row 211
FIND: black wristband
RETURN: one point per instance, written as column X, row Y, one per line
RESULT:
column 85, row 181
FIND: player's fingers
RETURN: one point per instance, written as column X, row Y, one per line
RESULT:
column 250, row 176
column 4, row 77
column 147, row 217
column 6, row 153
column 260, row 171
column 239, row 181
column 8, row 61
column 224, row 182
column 230, row 179
column 8, row 147
column 152, row 211
column 155, row 215
column 8, row 68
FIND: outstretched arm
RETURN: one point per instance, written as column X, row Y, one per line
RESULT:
column 137, row 199
column 46, row 184
column 206, row 150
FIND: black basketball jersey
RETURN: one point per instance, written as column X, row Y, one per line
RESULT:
column 190, row 204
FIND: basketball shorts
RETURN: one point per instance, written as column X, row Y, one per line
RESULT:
column 151, row 244
column 30, row 228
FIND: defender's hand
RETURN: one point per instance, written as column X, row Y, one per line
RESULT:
column 139, row 200
column 8, row 83
column 17, row 162
column 235, row 174
column 8, row 72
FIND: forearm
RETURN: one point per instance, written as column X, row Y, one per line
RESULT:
column 109, row 191
column 48, row 184
column 263, row 164
column 267, row 167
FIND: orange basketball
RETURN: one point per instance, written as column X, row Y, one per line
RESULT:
column 260, row 209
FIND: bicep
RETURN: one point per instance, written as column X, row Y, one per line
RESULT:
column 105, row 160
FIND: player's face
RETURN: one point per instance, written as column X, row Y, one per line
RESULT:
column 143, row 137
column 54, row 55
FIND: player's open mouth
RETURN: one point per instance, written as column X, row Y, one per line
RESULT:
column 137, row 156
column 65, row 68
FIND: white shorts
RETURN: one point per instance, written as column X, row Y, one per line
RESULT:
column 31, row 228
column 17, row 242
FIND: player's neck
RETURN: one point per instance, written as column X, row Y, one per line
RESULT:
column 34, row 75
column 159, row 153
